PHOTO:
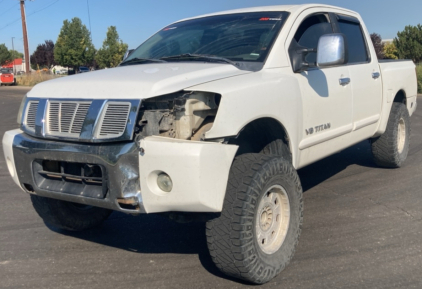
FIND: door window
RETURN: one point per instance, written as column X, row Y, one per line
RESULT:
column 357, row 48
column 308, row 34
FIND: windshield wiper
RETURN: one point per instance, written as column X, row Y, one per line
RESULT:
column 137, row 60
column 200, row 57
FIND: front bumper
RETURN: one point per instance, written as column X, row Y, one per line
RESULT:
column 199, row 171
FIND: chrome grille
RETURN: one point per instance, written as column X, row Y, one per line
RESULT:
column 113, row 120
column 31, row 114
column 82, row 120
column 65, row 118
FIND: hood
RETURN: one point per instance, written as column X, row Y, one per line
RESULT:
column 134, row 81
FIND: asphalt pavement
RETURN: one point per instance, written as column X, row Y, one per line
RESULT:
column 362, row 229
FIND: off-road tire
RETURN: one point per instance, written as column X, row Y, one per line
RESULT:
column 68, row 216
column 231, row 237
column 386, row 148
column 279, row 148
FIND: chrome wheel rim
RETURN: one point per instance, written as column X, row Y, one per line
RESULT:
column 272, row 219
column 401, row 135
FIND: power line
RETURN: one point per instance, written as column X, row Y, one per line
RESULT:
column 14, row 21
column 51, row 4
column 89, row 18
column 7, row 25
column 9, row 9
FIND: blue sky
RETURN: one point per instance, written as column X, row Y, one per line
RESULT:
column 137, row 20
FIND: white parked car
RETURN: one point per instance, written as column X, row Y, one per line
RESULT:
column 209, row 119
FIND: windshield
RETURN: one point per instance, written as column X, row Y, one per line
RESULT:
column 243, row 37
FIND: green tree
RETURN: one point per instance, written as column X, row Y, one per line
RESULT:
column 390, row 51
column 409, row 43
column 73, row 47
column 15, row 54
column 112, row 51
column 5, row 55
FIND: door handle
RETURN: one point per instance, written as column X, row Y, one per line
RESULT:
column 344, row 81
column 375, row 75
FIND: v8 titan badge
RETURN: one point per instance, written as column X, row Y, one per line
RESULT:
column 318, row 128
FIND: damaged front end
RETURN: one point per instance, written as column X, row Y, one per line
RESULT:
column 182, row 115
column 168, row 140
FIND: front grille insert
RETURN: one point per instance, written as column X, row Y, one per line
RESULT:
column 113, row 120
column 87, row 180
column 65, row 118
column 31, row 115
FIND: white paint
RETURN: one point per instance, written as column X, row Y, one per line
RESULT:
column 199, row 172
column 8, row 153
column 133, row 81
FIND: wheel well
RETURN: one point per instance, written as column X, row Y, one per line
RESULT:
column 400, row 97
column 256, row 135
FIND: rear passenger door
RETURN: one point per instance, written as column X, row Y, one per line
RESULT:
column 364, row 72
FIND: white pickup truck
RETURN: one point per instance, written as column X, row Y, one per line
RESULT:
column 209, row 119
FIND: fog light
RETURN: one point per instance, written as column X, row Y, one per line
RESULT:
column 164, row 182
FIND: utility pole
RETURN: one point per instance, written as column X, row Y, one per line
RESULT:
column 25, row 37
column 13, row 48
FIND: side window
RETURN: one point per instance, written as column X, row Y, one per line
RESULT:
column 351, row 28
column 309, row 32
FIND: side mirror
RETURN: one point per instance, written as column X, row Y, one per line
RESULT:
column 127, row 53
column 332, row 50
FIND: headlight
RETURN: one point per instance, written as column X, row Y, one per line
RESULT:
column 20, row 112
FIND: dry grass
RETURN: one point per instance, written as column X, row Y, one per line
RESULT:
column 34, row 78
column 419, row 73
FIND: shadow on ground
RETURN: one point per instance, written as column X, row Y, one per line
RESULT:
column 155, row 234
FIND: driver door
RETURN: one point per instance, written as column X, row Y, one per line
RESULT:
column 327, row 99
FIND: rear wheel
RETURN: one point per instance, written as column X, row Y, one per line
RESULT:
column 391, row 148
column 256, row 234
column 67, row 215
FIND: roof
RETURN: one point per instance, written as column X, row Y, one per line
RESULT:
column 288, row 8
column 17, row 61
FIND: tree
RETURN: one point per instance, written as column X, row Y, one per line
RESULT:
column 378, row 45
column 5, row 55
column 73, row 46
column 390, row 51
column 409, row 43
column 44, row 54
column 15, row 54
column 112, row 51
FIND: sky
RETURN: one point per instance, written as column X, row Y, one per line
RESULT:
column 136, row 20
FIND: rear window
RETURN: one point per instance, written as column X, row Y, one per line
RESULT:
column 351, row 28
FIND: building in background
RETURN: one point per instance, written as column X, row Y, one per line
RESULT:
column 16, row 65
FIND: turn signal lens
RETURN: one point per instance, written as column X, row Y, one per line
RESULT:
column 164, row 182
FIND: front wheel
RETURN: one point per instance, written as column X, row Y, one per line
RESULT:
column 69, row 216
column 256, row 234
